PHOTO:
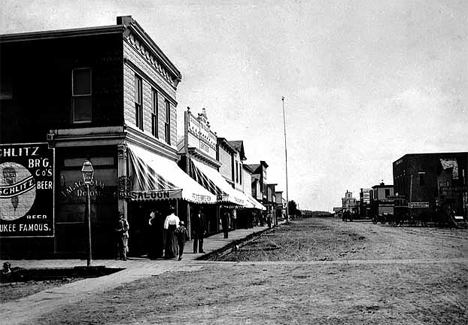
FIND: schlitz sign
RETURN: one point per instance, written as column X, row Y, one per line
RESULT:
column 26, row 190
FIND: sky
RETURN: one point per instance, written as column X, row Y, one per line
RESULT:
column 364, row 82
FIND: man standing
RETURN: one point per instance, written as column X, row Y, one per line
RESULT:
column 198, row 232
column 225, row 223
column 122, row 241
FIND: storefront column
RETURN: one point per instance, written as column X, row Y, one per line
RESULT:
column 123, row 177
column 189, row 220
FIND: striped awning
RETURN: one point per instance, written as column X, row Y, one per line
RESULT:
column 254, row 203
column 214, row 182
column 157, row 178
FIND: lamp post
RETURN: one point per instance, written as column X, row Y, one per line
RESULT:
column 88, row 173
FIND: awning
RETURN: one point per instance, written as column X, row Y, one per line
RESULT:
column 158, row 178
column 214, row 182
column 255, row 203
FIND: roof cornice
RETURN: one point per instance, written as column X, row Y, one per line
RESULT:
column 133, row 25
column 64, row 33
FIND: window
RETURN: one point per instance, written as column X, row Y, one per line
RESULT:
column 421, row 180
column 155, row 114
column 81, row 95
column 387, row 192
column 240, row 174
column 167, row 125
column 237, row 172
column 139, row 102
column 6, row 86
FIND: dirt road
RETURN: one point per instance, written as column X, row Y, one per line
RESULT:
column 313, row 271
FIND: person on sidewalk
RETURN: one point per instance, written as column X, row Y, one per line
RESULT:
column 122, row 241
column 198, row 232
column 182, row 236
column 156, row 233
column 225, row 223
column 171, row 224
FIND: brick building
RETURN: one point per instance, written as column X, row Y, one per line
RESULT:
column 103, row 94
column 431, row 183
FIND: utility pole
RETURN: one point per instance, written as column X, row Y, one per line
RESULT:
column 286, row 160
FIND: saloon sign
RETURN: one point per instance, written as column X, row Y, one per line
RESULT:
column 26, row 190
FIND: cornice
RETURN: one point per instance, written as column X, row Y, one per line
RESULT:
column 135, row 68
column 64, row 33
column 140, row 41
column 226, row 145
column 78, row 137
column 150, row 143
column 199, row 155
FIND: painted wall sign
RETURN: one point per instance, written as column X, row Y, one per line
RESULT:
column 77, row 188
column 26, row 190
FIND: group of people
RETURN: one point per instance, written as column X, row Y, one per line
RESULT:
column 176, row 235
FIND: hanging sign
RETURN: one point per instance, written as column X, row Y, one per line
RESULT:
column 26, row 190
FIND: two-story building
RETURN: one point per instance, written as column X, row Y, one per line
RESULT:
column 364, row 203
column 432, row 184
column 382, row 199
column 213, row 164
column 259, row 181
column 106, row 95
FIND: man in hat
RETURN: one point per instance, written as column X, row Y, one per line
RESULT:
column 122, row 242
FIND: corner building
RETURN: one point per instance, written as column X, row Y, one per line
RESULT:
column 431, row 186
column 104, row 94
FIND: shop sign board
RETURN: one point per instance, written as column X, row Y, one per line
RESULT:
column 26, row 190
column 199, row 134
column 418, row 205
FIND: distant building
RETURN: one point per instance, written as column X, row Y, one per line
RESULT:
column 280, row 206
column 365, row 203
column 382, row 199
column 432, row 182
column 259, row 181
column 349, row 203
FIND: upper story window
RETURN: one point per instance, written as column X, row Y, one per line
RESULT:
column 167, row 124
column 155, row 114
column 6, row 89
column 237, row 172
column 240, row 174
column 139, row 102
column 387, row 192
column 81, row 95
column 422, row 181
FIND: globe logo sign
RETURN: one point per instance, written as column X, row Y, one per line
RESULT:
column 17, row 191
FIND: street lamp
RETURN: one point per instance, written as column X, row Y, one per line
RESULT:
column 88, row 174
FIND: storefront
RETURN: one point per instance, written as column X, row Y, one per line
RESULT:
column 158, row 183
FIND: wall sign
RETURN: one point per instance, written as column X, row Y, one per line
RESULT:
column 26, row 190
column 418, row 205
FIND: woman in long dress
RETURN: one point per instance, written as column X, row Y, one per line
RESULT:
column 171, row 224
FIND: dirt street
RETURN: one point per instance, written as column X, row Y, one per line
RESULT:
column 313, row 271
